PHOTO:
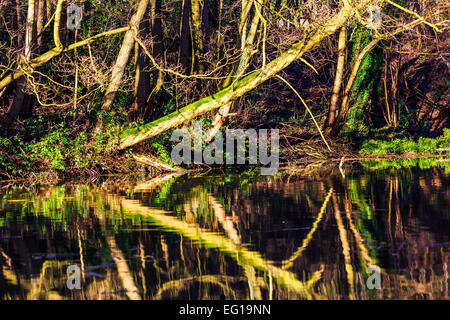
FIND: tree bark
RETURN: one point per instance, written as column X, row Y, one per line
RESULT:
column 157, row 33
column 338, row 78
column 39, row 22
column 142, row 77
column 197, row 31
column 147, row 83
column 124, row 54
column 354, row 72
column 185, row 37
column 247, row 41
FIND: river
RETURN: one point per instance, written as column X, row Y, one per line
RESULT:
column 365, row 231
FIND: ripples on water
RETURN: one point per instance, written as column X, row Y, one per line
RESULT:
column 230, row 236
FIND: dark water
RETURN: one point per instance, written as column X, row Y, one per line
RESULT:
column 231, row 236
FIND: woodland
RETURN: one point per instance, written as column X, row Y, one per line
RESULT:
column 91, row 87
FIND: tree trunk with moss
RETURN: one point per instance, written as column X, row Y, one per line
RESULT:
column 366, row 87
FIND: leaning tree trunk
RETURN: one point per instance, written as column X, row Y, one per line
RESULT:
column 124, row 54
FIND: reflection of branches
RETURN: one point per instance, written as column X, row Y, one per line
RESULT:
column 123, row 270
column 290, row 262
column 7, row 258
column 175, row 286
column 10, row 276
column 345, row 247
column 213, row 240
column 153, row 183
column 255, row 291
column 227, row 222
column 359, row 242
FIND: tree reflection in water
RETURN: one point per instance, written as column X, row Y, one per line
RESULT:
column 231, row 236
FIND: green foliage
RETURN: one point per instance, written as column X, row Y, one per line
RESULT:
column 421, row 163
column 406, row 145
column 52, row 144
column 163, row 153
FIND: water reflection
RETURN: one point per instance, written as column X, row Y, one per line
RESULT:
column 231, row 236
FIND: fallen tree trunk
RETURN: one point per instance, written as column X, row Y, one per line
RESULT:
column 312, row 38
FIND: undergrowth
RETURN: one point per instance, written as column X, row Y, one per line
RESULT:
column 400, row 146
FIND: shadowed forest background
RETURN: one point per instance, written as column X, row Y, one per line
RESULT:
column 334, row 78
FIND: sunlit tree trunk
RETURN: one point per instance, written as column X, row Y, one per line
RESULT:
column 48, row 9
column 219, row 35
column 157, row 34
column 338, row 78
column 40, row 15
column 124, row 54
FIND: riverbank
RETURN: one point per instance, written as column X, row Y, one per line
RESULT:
column 306, row 167
column 310, row 159
column 44, row 150
column 298, row 229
